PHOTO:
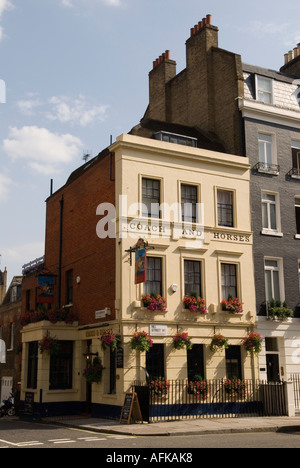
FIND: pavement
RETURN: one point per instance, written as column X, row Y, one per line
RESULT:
column 183, row 427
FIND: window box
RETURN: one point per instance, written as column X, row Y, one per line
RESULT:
column 154, row 302
column 232, row 305
column 265, row 168
column 195, row 304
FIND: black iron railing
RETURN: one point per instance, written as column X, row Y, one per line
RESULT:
column 183, row 399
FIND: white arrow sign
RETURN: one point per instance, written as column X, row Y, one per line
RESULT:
column 2, row 352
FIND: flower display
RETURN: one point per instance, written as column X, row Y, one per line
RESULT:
column 154, row 302
column 218, row 342
column 141, row 341
column 93, row 373
column 49, row 344
column 232, row 305
column 109, row 340
column 235, row 387
column 53, row 316
column 181, row 341
column 252, row 343
column 159, row 388
column 195, row 304
column 198, row 388
column 279, row 311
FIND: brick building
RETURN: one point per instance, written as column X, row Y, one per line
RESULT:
column 254, row 112
column 10, row 312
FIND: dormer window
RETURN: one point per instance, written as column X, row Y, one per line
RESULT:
column 264, row 89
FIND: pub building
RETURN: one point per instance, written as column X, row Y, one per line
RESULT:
column 132, row 236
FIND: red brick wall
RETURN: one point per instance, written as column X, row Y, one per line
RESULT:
column 92, row 259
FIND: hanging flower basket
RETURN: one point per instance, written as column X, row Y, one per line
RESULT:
column 252, row 343
column 218, row 342
column 109, row 340
column 195, row 304
column 159, row 388
column 154, row 302
column 232, row 305
column 141, row 341
column 181, row 341
column 49, row 344
column 93, row 373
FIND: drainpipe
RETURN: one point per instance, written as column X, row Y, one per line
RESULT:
column 61, row 203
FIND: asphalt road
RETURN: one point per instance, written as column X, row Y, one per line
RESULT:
column 20, row 434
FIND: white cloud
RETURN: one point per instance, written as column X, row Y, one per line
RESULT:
column 28, row 106
column 5, row 5
column 5, row 183
column 67, row 3
column 75, row 111
column 70, row 3
column 43, row 151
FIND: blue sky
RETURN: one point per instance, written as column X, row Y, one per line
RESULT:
column 76, row 72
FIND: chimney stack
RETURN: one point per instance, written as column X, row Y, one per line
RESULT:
column 205, row 21
column 292, row 61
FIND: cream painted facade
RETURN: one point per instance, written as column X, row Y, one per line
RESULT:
column 212, row 245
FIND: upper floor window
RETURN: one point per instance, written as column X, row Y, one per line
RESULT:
column 272, row 280
column 229, row 280
column 192, row 278
column 264, row 89
column 189, row 195
column 296, row 157
column 151, row 198
column 154, row 276
column 225, row 208
column 297, row 213
column 270, row 214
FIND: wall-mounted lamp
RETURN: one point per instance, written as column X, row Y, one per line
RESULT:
column 88, row 355
column 174, row 287
column 78, row 279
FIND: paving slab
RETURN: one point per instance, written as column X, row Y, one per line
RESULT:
column 185, row 427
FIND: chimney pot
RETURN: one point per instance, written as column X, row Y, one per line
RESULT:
column 290, row 54
column 208, row 19
column 167, row 55
column 204, row 21
column 296, row 52
column 286, row 58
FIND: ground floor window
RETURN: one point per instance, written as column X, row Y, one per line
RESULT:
column 195, row 363
column 155, row 362
column 33, row 352
column 233, row 362
column 61, row 367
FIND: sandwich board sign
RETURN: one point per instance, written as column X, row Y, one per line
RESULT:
column 131, row 409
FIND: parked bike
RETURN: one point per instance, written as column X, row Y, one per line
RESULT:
column 7, row 407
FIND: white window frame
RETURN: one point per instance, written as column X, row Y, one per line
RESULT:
column 279, row 268
column 264, row 165
column 268, row 230
column 263, row 91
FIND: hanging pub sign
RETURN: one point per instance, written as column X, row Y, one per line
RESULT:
column 45, row 291
column 140, row 266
